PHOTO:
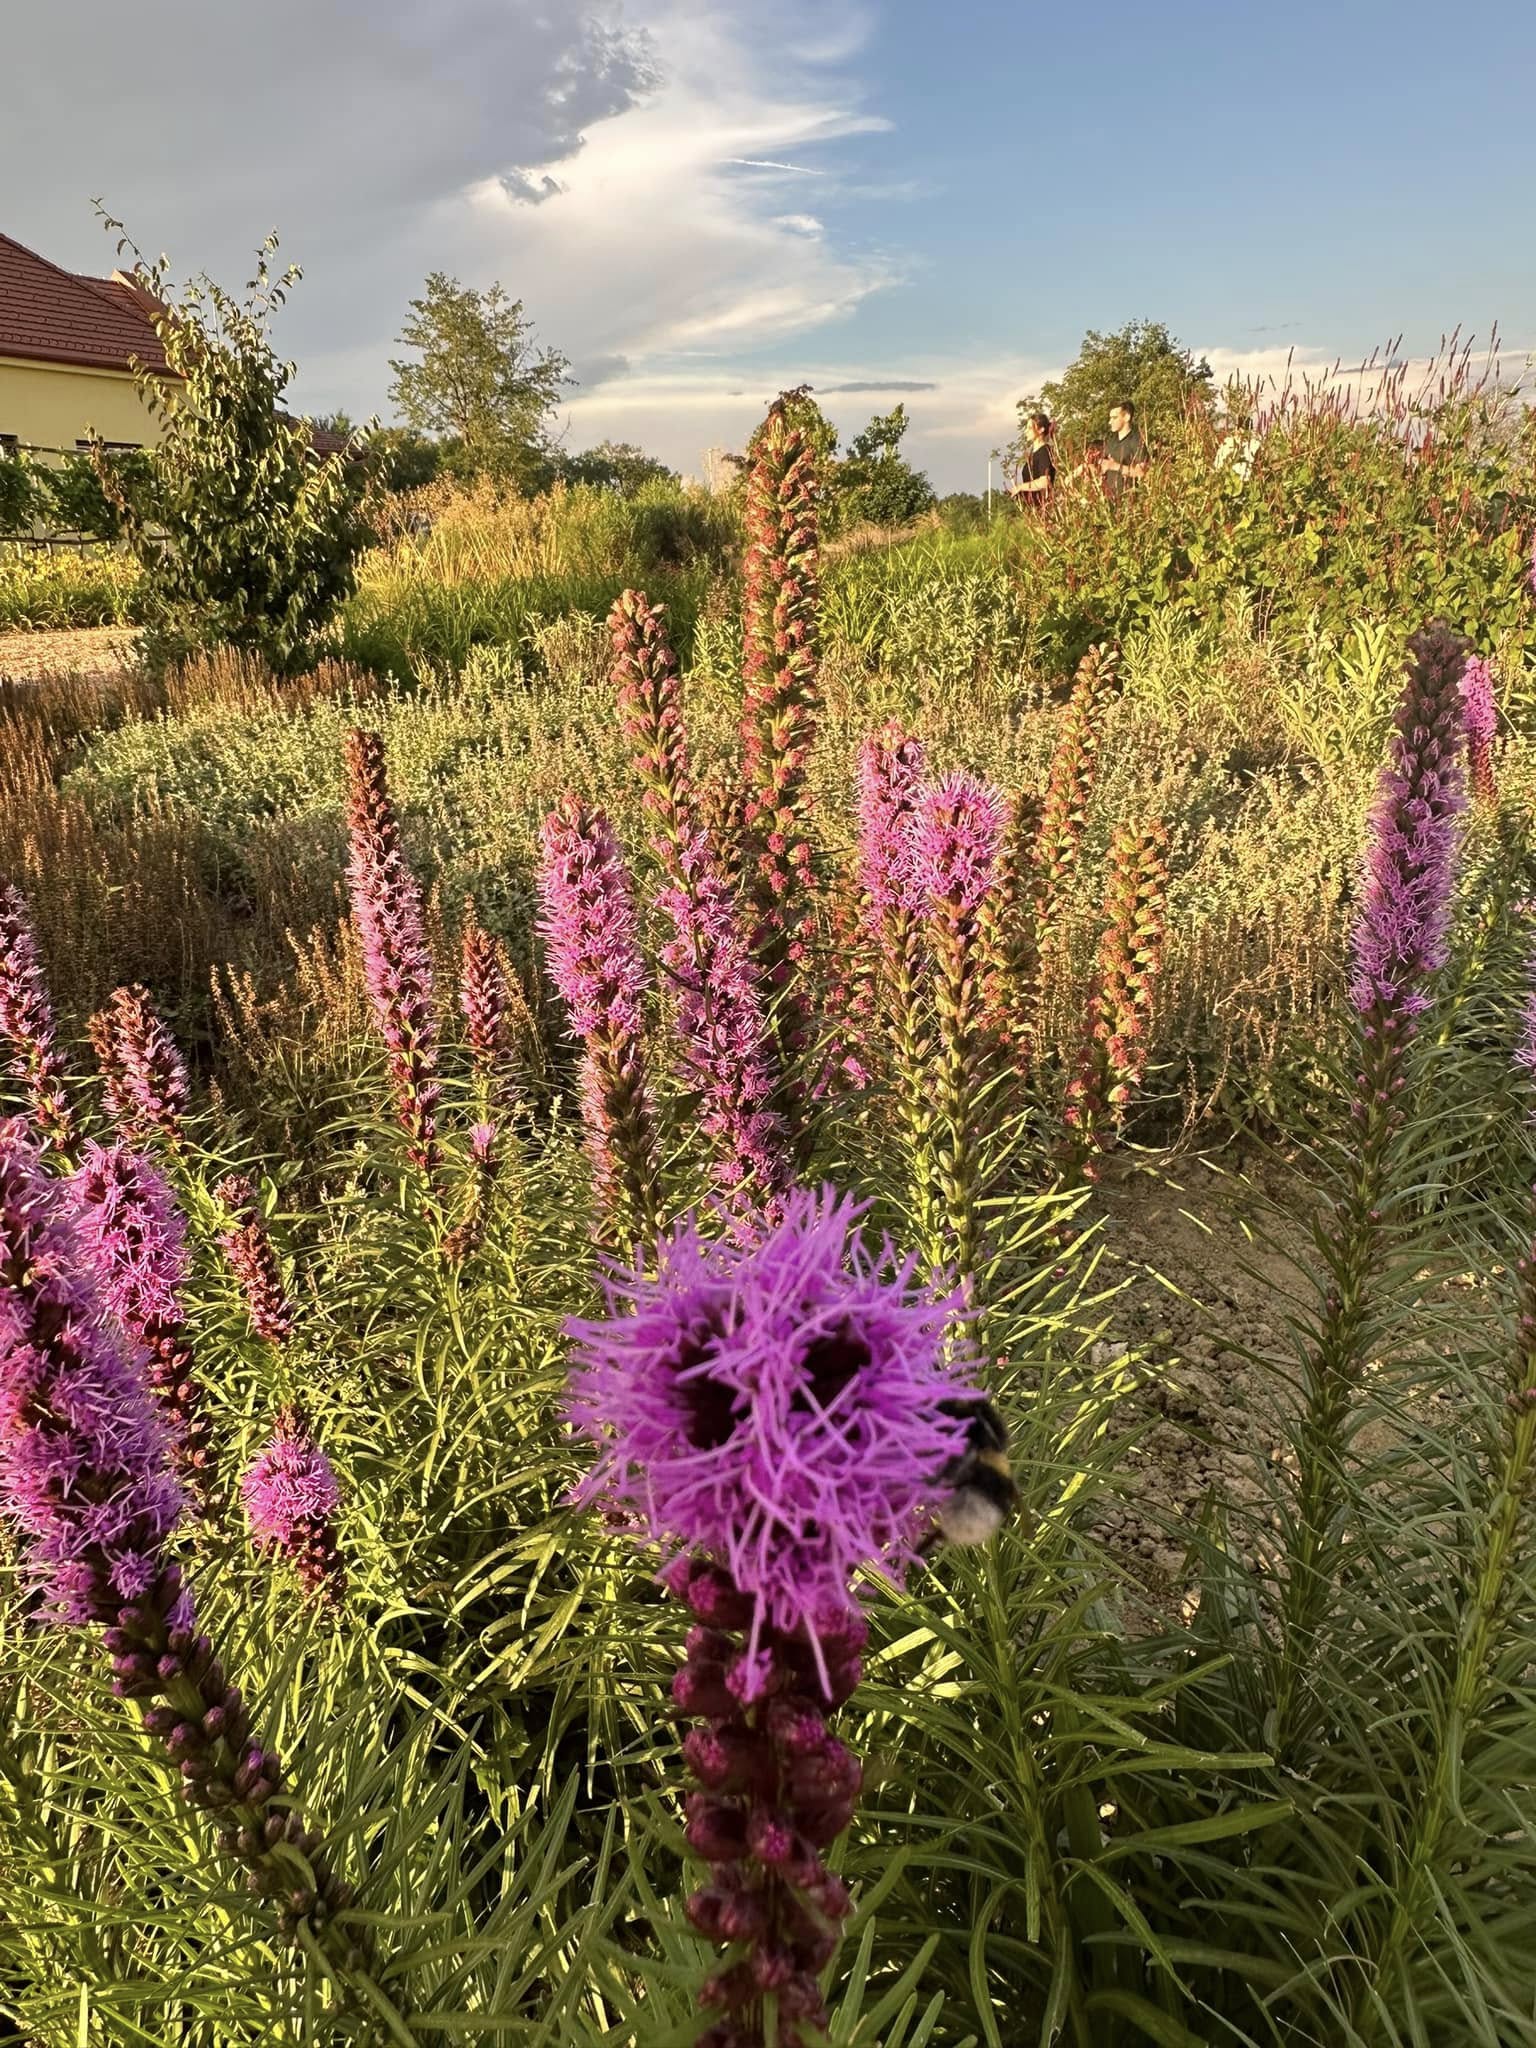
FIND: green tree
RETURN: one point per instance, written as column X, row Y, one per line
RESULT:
column 1141, row 361
column 19, row 494
column 247, row 538
column 875, row 485
column 481, row 386
column 614, row 466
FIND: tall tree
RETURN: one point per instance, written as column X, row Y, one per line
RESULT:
column 482, row 384
column 1141, row 361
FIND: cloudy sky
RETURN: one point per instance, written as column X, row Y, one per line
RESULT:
column 701, row 201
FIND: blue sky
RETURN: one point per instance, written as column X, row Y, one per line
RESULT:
column 971, row 185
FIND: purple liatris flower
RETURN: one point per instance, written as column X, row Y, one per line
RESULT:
column 253, row 1261
column 778, row 1418
column 1481, row 717
column 591, row 935
column 957, row 829
column 779, row 1405
column 722, row 1024
column 485, row 996
column 291, row 1497
column 83, row 1455
column 397, row 966
column 467, row 1237
column 84, row 1481
column 890, row 780
column 1400, row 936
column 644, row 676
column 146, row 1076
column 130, row 1223
column 27, row 1021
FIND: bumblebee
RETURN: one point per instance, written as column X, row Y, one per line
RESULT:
column 982, row 1492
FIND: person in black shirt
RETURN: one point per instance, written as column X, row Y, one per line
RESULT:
column 1037, row 467
column 1124, row 462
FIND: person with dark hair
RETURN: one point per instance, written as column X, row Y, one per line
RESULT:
column 1037, row 465
column 1125, row 458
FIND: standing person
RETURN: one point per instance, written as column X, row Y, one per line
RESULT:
column 1125, row 453
column 1037, row 469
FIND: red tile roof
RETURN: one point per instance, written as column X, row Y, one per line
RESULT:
column 49, row 315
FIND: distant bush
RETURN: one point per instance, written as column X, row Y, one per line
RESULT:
column 51, row 592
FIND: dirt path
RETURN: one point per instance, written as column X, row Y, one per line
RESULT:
column 84, row 651
column 1203, row 1264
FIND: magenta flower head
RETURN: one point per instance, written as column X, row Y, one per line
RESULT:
column 890, row 781
column 779, row 1407
column 83, row 1455
column 147, row 1085
column 27, row 1021
column 591, row 934
column 291, row 1496
column 129, row 1220
column 1481, row 716
column 397, row 964
column 588, row 922
column 1400, row 936
column 957, row 831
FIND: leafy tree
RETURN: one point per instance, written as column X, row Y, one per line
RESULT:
column 403, row 460
column 481, row 385
column 1141, row 361
column 875, row 485
column 615, row 466
column 77, row 499
column 251, row 540
column 18, row 494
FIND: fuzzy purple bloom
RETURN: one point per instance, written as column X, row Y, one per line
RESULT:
column 253, row 1261
column 397, row 963
column 591, row 933
column 957, row 832
column 147, row 1085
column 727, row 1043
column 27, row 1020
column 291, row 1496
column 83, row 1455
column 890, row 785
column 588, row 922
column 778, row 1406
column 129, row 1218
column 1399, row 939
column 1481, row 716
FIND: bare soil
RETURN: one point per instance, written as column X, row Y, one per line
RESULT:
column 83, row 651
column 1203, row 1252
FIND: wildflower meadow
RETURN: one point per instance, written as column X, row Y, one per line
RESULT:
column 771, row 1295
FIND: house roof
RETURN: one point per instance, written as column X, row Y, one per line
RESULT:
column 49, row 315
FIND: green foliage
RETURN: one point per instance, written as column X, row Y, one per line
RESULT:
column 248, row 539
column 86, row 493
column 874, row 485
column 615, row 466
column 1141, row 361
column 404, row 460
column 480, row 386
column 55, row 589
column 19, row 496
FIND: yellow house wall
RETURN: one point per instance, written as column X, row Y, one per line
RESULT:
column 54, row 405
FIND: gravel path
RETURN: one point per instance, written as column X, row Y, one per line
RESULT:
column 85, row 651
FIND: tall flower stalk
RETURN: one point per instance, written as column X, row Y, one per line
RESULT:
column 145, row 1077
column 773, row 1416
column 1113, row 1057
column 645, row 683
column 891, row 782
column 27, row 1021
column 1058, row 844
column 781, row 587
column 136, row 1234
column 247, row 1245
column 1010, row 939
column 957, row 831
column 291, row 1497
column 485, row 999
column 397, row 966
column 590, row 930
column 723, row 1027
column 1481, row 716
column 85, row 1484
column 1398, row 944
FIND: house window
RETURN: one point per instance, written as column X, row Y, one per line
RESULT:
column 10, row 444
column 110, row 447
